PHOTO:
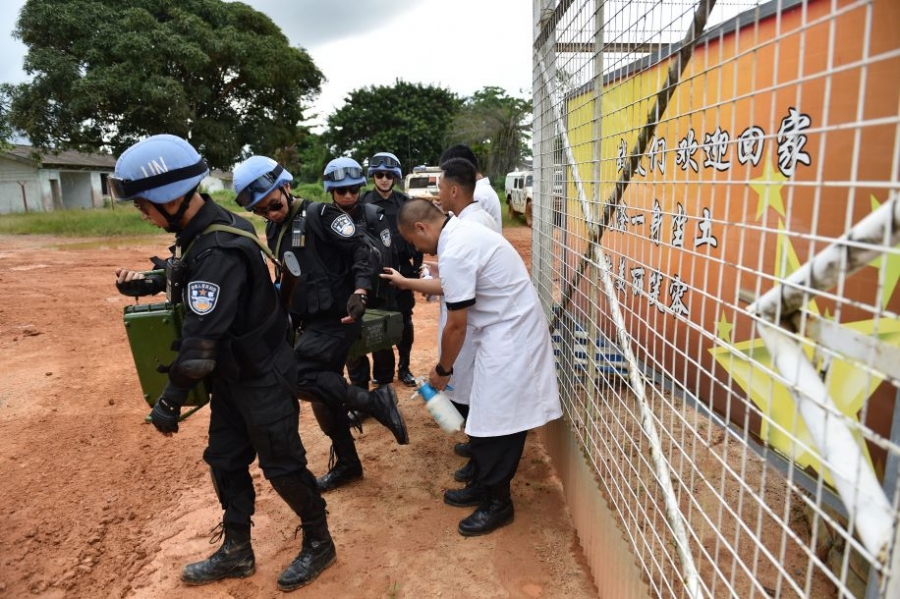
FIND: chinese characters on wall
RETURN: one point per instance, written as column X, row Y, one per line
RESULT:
column 717, row 152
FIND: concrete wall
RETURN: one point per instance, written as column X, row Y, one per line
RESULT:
column 608, row 553
column 80, row 189
column 13, row 176
column 211, row 184
column 73, row 189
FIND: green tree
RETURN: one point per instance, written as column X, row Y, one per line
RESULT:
column 410, row 120
column 107, row 73
column 497, row 127
column 6, row 129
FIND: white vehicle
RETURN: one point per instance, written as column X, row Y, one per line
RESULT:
column 423, row 183
column 519, row 193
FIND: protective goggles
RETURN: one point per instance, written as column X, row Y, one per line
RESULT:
column 124, row 189
column 259, row 185
column 383, row 162
column 345, row 172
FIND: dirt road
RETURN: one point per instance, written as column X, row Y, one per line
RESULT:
column 95, row 503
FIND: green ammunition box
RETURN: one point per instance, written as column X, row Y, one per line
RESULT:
column 152, row 329
column 381, row 329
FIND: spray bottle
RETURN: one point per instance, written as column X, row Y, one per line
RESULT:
column 440, row 406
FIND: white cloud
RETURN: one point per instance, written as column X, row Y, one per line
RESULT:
column 463, row 45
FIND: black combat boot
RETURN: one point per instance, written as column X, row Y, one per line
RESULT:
column 466, row 473
column 343, row 466
column 472, row 494
column 316, row 554
column 234, row 559
column 487, row 518
column 495, row 512
column 381, row 404
column 343, row 463
column 407, row 378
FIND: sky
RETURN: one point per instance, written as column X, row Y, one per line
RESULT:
column 460, row 45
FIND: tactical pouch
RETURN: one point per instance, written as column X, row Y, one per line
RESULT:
column 381, row 329
column 152, row 332
column 175, row 276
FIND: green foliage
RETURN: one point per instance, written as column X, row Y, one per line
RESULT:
column 496, row 127
column 6, row 129
column 107, row 73
column 312, row 191
column 119, row 221
column 314, row 155
column 410, row 120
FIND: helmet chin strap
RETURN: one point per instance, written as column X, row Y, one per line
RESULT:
column 174, row 220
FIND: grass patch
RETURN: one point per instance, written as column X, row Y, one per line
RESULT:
column 511, row 221
column 118, row 221
column 122, row 220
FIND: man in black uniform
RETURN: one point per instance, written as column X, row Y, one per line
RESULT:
column 327, row 302
column 235, row 334
column 370, row 219
column 385, row 168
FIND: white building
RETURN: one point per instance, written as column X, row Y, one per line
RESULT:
column 68, row 179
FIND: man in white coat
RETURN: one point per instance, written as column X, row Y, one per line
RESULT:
column 483, row 194
column 489, row 297
column 457, row 190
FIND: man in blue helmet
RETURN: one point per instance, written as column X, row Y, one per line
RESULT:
column 384, row 167
column 327, row 303
column 235, row 334
column 372, row 222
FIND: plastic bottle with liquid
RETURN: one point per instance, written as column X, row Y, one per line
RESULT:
column 441, row 408
column 426, row 274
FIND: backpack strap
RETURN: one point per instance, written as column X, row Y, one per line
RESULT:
column 235, row 231
column 291, row 216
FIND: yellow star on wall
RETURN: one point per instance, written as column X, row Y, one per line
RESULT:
column 782, row 426
column 787, row 261
column 891, row 268
column 724, row 328
column 768, row 187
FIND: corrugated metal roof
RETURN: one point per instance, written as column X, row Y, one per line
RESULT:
column 64, row 159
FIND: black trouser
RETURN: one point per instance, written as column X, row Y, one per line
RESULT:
column 256, row 417
column 496, row 461
column 405, row 303
column 462, row 408
column 321, row 352
column 382, row 370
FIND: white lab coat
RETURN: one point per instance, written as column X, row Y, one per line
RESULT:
column 514, row 379
column 489, row 201
column 464, row 367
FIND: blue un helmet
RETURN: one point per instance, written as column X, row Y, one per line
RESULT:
column 343, row 172
column 255, row 178
column 158, row 169
column 385, row 161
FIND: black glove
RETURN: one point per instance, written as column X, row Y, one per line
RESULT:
column 165, row 415
column 140, row 287
column 356, row 306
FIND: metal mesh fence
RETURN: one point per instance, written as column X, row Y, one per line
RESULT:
column 715, row 234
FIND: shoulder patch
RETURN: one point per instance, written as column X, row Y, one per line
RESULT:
column 343, row 226
column 386, row 237
column 202, row 297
